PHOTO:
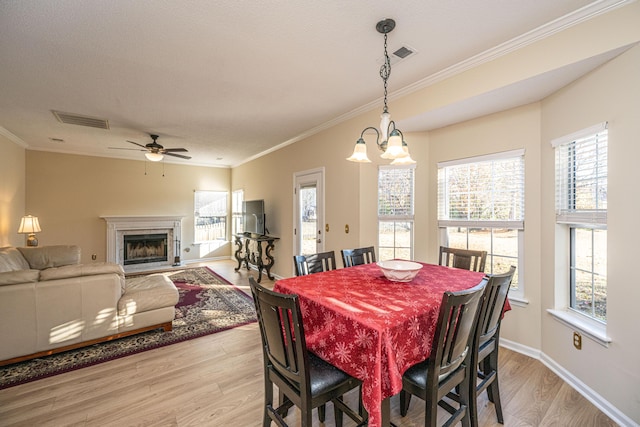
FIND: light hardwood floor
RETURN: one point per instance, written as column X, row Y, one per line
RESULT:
column 217, row 381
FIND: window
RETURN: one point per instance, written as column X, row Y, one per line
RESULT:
column 395, row 212
column 581, row 215
column 481, row 207
column 237, row 197
column 210, row 216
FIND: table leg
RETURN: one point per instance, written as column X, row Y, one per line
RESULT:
column 238, row 253
column 385, row 409
column 386, row 413
column 259, row 263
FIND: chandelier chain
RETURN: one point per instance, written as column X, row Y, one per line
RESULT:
column 385, row 72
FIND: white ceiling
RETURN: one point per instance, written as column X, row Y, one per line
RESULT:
column 230, row 80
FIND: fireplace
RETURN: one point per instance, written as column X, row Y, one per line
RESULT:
column 145, row 248
column 143, row 242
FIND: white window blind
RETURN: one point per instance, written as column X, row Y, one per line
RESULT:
column 395, row 192
column 581, row 177
column 481, row 190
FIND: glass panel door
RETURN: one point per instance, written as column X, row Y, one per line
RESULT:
column 309, row 212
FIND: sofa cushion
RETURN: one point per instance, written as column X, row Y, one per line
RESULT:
column 77, row 270
column 43, row 257
column 19, row 276
column 147, row 293
column 12, row 260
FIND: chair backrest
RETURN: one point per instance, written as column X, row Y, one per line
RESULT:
column 282, row 332
column 465, row 259
column 454, row 331
column 495, row 296
column 358, row 256
column 316, row 263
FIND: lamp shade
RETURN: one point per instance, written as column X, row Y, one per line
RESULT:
column 406, row 160
column 154, row 157
column 29, row 224
column 394, row 147
column 359, row 153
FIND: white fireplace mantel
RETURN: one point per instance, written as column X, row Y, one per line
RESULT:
column 120, row 225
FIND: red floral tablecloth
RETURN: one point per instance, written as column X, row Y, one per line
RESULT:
column 372, row 328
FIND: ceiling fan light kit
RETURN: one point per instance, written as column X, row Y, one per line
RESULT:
column 393, row 144
column 154, row 157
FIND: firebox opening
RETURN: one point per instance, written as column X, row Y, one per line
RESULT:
column 145, row 248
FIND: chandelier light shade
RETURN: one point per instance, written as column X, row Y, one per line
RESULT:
column 393, row 146
column 154, row 157
column 360, row 152
column 30, row 225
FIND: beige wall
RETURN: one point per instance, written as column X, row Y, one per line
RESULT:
column 12, row 192
column 518, row 128
column 70, row 193
column 611, row 94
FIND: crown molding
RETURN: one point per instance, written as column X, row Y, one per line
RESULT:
column 11, row 137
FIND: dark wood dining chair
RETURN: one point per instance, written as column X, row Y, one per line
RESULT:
column 449, row 363
column 358, row 256
column 315, row 263
column 305, row 380
column 465, row 259
column 309, row 264
column 485, row 356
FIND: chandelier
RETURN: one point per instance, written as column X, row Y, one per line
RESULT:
column 389, row 139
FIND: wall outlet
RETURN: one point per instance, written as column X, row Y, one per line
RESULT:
column 577, row 341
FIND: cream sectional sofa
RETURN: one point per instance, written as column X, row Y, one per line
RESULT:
column 49, row 302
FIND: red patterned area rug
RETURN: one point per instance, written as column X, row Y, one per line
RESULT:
column 207, row 304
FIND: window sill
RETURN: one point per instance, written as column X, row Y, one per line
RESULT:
column 517, row 301
column 593, row 330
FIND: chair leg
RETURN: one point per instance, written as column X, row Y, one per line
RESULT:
column 268, row 403
column 338, row 415
column 465, row 398
column 405, row 399
column 321, row 412
column 494, row 388
column 305, row 417
column 431, row 411
column 473, row 397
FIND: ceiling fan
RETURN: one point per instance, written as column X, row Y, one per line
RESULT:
column 156, row 152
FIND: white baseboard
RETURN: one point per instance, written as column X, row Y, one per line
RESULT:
column 587, row 392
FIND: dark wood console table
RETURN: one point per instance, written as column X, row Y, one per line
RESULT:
column 253, row 255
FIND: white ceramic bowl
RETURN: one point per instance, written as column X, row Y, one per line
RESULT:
column 398, row 270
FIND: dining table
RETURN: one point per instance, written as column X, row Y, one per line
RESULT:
column 373, row 328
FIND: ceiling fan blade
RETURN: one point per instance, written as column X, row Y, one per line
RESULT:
column 177, row 155
column 182, row 150
column 139, row 145
column 121, row 148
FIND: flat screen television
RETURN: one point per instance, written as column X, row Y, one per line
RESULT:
column 254, row 217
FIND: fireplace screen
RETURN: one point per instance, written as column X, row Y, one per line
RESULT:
column 145, row 248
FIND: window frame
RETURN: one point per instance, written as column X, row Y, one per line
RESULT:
column 237, row 219
column 570, row 217
column 225, row 217
column 395, row 220
column 516, row 294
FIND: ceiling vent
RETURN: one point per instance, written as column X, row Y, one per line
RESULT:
column 77, row 119
column 400, row 54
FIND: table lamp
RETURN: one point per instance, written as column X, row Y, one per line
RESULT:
column 30, row 225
